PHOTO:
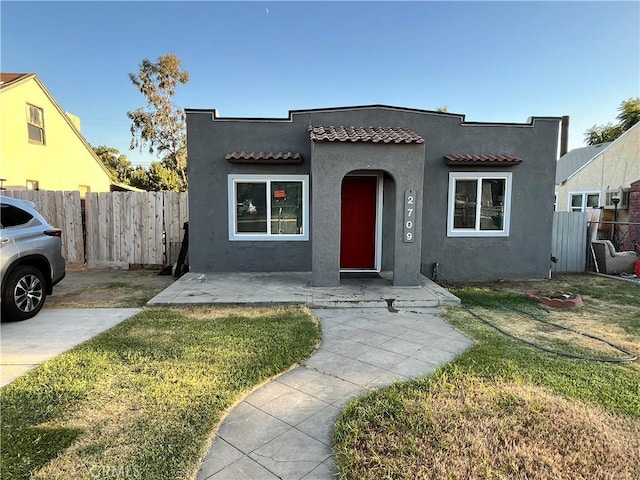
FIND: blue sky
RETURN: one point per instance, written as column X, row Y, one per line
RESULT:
column 492, row 61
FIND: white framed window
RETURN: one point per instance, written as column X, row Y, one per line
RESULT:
column 578, row 201
column 268, row 207
column 35, row 124
column 479, row 204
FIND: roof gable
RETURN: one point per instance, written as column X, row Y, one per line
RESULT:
column 9, row 79
column 572, row 162
column 18, row 78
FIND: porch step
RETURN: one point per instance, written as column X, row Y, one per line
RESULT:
column 293, row 288
column 394, row 298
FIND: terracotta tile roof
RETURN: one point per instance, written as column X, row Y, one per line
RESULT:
column 467, row 159
column 8, row 78
column 263, row 157
column 319, row 133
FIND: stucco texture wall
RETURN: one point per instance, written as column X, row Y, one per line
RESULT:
column 63, row 162
column 525, row 253
column 210, row 249
column 331, row 162
column 615, row 168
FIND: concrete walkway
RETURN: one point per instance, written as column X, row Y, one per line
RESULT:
column 284, row 429
column 294, row 288
column 25, row 345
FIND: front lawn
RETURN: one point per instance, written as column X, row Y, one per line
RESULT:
column 141, row 400
column 506, row 410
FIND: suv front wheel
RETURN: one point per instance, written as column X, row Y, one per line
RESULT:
column 23, row 293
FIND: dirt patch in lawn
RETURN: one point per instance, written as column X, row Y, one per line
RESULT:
column 525, row 432
column 610, row 311
column 107, row 288
column 469, row 429
column 562, row 331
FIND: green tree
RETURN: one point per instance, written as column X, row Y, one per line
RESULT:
column 156, row 178
column 117, row 164
column 629, row 115
column 602, row 133
column 163, row 178
column 161, row 125
column 140, row 179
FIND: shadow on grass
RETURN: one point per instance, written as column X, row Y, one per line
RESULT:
column 26, row 450
column 149, row 390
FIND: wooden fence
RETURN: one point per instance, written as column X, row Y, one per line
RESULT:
column 133, row 228
column 120, row 229
column 569, row 242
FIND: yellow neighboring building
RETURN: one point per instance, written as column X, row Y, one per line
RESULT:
column 41, row 145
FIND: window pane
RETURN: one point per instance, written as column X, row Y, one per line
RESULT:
column 492, row 204
column 251, row 207
column 593, row 200
column 576, row 201
column 35, row 116
column 624, row 199
column 286, row 208
column 464, row 215
column 35, row 133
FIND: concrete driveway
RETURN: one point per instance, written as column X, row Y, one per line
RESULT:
column 25, row 345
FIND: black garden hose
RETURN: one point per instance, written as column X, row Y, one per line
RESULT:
column 630, row 355
column 439, row 279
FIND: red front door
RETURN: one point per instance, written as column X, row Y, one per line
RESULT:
column 358, row 233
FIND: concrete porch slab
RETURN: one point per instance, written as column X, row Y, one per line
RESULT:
column 294, row 288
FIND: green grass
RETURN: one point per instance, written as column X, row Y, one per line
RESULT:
column 386, row 434
column 615, row 387
column 141, row 399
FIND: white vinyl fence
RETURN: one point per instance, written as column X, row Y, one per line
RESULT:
column 569, row 242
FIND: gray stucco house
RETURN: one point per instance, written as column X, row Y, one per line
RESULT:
column 369, row 189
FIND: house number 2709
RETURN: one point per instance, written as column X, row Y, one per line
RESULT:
column 409, row 216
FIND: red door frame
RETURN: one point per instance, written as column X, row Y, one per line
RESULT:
column 359, row 223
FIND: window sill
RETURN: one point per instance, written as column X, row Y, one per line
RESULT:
column 484, row 234
column 268, row 238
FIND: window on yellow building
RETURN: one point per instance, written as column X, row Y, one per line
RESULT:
column 35, row 124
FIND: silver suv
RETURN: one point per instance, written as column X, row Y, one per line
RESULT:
column 30, row 258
